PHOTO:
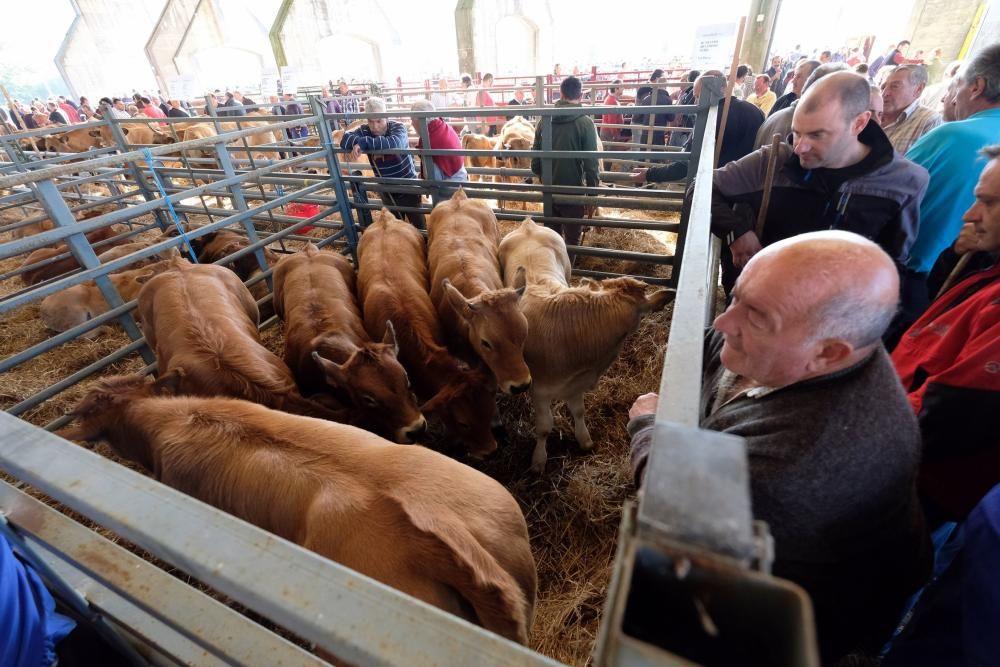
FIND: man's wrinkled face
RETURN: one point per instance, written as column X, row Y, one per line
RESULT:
column 767, row 339
column 899, row 92
column 378, row 126
column 984, row 214
column 760, row 85
column 823, row 137
column 966, row 93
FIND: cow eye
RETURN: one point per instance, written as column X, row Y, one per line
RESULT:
column 369, row 401
column 486, row 345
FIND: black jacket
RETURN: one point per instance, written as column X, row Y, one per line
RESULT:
column 878, row 198
column 177, row 113
column 741, row 128
column 660, row 120
column 782, row 102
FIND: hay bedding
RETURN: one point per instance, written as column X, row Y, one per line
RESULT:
column 573, row 511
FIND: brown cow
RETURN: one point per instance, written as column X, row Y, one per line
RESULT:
column 263, row 136
column 66, row 264
column 392, row 286
column 478, row 315
column 575, row 333
column 201, row 322
column 73, row 141
column 135, row 134
column 224, row 242
column 408, row 517
column 326, row 344
column 479, row 142
column 75, row 305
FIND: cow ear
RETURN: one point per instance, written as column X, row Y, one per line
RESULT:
column 658, row 299
column 144, row 277
column 390, row 337
column 125, row 131
column 169, row 384
column 458, row 302
column 436, row 402
column 333, row 372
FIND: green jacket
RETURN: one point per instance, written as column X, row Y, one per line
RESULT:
column 570, row 133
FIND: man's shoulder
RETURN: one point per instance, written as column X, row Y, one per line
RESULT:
column 901, row 172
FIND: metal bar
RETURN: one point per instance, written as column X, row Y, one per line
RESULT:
column 241, row 203
column 357, row 619
column 177, row 619
column 682, row 364
column 79, row 376
column 78, row 244
column 336, row 179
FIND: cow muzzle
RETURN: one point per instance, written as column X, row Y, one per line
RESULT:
column 519, row 388
column 414, row 431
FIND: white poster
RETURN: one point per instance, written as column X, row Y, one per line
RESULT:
column 713, row 46
column 290, row 79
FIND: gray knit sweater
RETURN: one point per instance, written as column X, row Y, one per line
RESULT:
column 833, row 462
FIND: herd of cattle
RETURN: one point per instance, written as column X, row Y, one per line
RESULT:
column 303, row 446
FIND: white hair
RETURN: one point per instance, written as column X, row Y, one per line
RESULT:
column 374, row 105
column 423, row 105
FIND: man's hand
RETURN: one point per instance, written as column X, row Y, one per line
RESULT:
column 639, row 176
column 644, row 405
column 968, row 240
column 356, row 153
column 744, row 248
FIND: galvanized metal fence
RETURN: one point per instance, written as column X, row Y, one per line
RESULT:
column 321, row 602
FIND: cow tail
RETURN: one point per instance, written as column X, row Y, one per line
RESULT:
column 452, row 556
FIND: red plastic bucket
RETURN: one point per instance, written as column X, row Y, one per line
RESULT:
column 303, row 211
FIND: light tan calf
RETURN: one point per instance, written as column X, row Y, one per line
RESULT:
column 574, row 333
column 75, row 305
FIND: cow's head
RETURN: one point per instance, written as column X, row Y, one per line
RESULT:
column 102, row 408
column 497, row 330
column 466, row 406
column 378, row 387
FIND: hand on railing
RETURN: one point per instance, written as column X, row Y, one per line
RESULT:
column 644, row 405
column 743, row 248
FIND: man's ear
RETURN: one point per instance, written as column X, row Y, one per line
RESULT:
column 861, row 121
column 829, row 352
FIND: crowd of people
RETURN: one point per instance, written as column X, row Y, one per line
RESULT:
column 859, row 355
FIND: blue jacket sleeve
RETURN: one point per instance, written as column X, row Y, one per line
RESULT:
column 395, row 137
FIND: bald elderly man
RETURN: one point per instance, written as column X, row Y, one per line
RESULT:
column 796, row 366
column 838, row 172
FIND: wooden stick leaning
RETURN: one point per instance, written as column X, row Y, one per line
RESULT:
column 765, row 200
column 729, row 90
column 952, row 278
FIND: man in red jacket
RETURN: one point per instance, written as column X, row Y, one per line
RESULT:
column 442, row 137
column 949, row 362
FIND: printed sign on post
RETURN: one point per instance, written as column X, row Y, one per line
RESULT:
column 713, row 46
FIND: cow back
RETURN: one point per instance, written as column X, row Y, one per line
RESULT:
column 202, row 323
column 406, row 516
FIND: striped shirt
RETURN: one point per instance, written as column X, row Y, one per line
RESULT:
column 385, row 165
column 914, row 122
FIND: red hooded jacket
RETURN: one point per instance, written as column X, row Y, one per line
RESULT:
column 443, row 137
column 949, row 362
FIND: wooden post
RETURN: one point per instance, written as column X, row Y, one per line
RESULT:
column 729, row 89
column 20, row 116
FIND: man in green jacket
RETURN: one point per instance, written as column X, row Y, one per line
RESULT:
column 571, row 132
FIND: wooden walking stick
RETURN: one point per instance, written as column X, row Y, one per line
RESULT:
column 729, row 90
column 952, row 278
column 765, row 201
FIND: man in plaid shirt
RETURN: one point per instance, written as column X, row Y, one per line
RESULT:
column 904, row 119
